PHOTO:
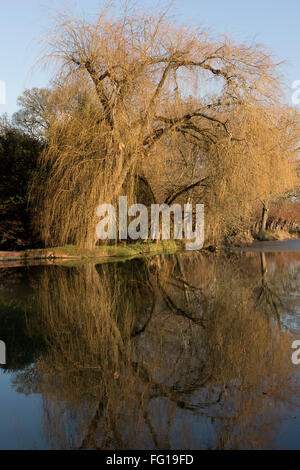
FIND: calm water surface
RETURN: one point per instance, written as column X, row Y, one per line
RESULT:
column 188, row 351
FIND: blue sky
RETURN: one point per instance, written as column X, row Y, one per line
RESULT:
column 274, row 23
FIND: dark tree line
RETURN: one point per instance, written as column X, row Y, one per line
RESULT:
column 18, row 161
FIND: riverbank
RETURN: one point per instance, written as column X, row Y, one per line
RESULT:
column 280, row 235
column 272, row 246
column 74, row 254
column 71, row 252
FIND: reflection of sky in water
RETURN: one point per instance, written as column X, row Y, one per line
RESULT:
column 20, row 425
column 289, row 434
column 291, row 320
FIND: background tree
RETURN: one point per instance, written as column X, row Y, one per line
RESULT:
column 18, row 161
column 33, row 116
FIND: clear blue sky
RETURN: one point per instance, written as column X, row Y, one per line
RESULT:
column 275, row 23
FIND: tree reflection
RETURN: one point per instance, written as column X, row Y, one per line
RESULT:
column 169, row 352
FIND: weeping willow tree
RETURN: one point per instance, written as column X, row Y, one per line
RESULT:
column 139, row 100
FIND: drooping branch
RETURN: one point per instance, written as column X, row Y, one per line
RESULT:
column 185, row 189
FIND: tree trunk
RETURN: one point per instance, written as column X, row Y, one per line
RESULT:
column 264, row 218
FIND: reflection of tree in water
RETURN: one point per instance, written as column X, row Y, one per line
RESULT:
column 19, row 325
column 173, row 352
column 266, row 293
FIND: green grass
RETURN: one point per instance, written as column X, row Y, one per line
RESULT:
column 117, row 251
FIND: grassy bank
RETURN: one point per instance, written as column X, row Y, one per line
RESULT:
column 118, row 251
column 271, row 235
column 246, row 238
